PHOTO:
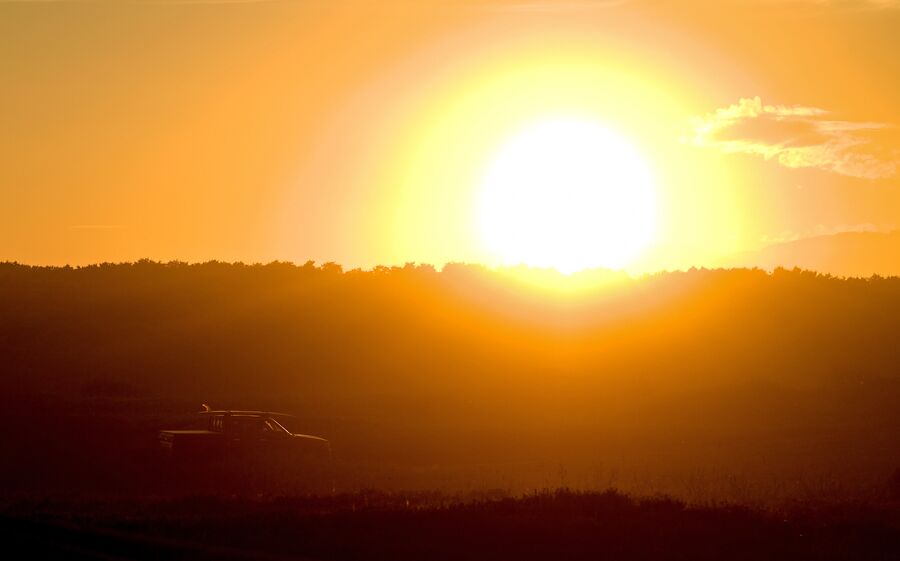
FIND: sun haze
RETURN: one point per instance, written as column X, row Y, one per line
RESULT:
column 413, row 280
column 639, row 135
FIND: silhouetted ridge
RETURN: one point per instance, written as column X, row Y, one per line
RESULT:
column 408, row 366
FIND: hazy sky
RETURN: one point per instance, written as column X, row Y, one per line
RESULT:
column 359, row 131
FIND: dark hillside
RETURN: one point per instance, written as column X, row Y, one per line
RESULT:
column 412, row 372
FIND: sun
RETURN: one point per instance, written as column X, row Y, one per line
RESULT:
column 567, row 193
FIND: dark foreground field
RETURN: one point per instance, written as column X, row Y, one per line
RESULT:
column 548, row 525
column 777, row 392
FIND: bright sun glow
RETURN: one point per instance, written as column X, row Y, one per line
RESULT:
column 568, row 194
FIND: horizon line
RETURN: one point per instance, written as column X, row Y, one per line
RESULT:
column 334, row 266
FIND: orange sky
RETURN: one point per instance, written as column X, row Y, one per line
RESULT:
column 357, row 131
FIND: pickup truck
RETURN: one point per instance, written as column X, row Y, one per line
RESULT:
column 232, row 433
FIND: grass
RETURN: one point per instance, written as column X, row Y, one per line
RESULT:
column 549, row 524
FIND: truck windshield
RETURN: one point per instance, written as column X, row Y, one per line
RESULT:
column 247, row 424
column 275, row 426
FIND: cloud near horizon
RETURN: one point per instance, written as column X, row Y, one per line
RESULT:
column 823, row 230
column 798, row 137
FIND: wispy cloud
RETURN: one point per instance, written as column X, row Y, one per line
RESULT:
column 147, row 2
column 96, row 227
column 848, row 5
column 828, row 230
column 860, row 3
column 548, row 5
column 798, row 137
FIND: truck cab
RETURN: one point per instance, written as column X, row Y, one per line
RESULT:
column 229, row 433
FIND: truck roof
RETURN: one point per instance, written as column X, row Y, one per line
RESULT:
column 240, row 412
